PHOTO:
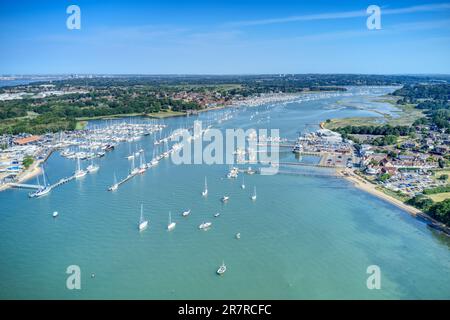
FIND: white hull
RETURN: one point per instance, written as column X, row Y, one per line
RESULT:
column 79, row 174
column 92, row 169
column 171, row 226
column 114, row 187
column 143, row 225
column 205, row 225
column 186, row 213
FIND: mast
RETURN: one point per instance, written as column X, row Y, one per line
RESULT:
column 43, row 174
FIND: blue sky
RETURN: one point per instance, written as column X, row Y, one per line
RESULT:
column 224, row 37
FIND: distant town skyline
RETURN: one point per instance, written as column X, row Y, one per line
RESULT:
column 224, row 37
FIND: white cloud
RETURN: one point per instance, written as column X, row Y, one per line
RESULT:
column 341, row 15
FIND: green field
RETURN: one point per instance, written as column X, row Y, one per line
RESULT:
column 438, row 197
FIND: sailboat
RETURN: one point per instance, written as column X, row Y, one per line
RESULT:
column 154, row 161
column 136, row 154
column 115, row 186
column 243, row 183
column 143, row 224
column 92, row 167
column 222, row 269
column 171, row 224
column 205, row 225
column 134, row 170
column 142, row 166
column 43, row 190
column 254, row 194
column 205, row 191
column 186, row 213
column 131, row 156
column 79, row 173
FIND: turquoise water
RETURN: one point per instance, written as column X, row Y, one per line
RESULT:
column 305, row 237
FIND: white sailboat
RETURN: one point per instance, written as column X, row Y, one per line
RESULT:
column 222, row 269
column 171, row 225
column 79, row 173
column 133, row 170
column 243, row 183
column 130, row 156
column 186, row 213
column 205, row 225
column 55, row 214
column 142, row 166
column 254, row 194
column 143, row 224
column 205, row 191
column 115, row 186
column 225, row 198
column 43, row 190
column 92, row 167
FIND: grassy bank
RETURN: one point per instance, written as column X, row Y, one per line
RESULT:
column 406, row 115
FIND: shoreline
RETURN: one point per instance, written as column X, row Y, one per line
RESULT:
column 25, row 175
column 363, row 185
column 249, row 102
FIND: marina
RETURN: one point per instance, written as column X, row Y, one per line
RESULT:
column 304, row 223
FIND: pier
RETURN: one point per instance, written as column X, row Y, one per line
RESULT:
column 25, row 186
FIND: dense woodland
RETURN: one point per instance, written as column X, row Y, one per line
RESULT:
column 433, row 99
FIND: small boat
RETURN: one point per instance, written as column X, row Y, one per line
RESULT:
column 79, row 173
column 115, row 186
column 222, row 269
column 217, row 215
column 171, row 225
column 55, row 214
column 225, row 198
column 186, row 213
column 43, row 190
column 243, row 183
column 253, row 197
column 134, row 171
column 92, row 167
column 205, row 225
column 143, row 224
column 238, row 235
column 205, row 191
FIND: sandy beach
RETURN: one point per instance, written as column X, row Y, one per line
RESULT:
column 362, row 184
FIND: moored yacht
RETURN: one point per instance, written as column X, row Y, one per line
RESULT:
column 79, row 173
column 222, row 269
column 92, row 167
column 253, row 197
column 171, row 225
column 225, row 198
column 143, row 224
column 205, row 190
column 205, row 225
column 115, row 186
column 186, row 213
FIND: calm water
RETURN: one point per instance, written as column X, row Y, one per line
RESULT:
column 304, row 237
